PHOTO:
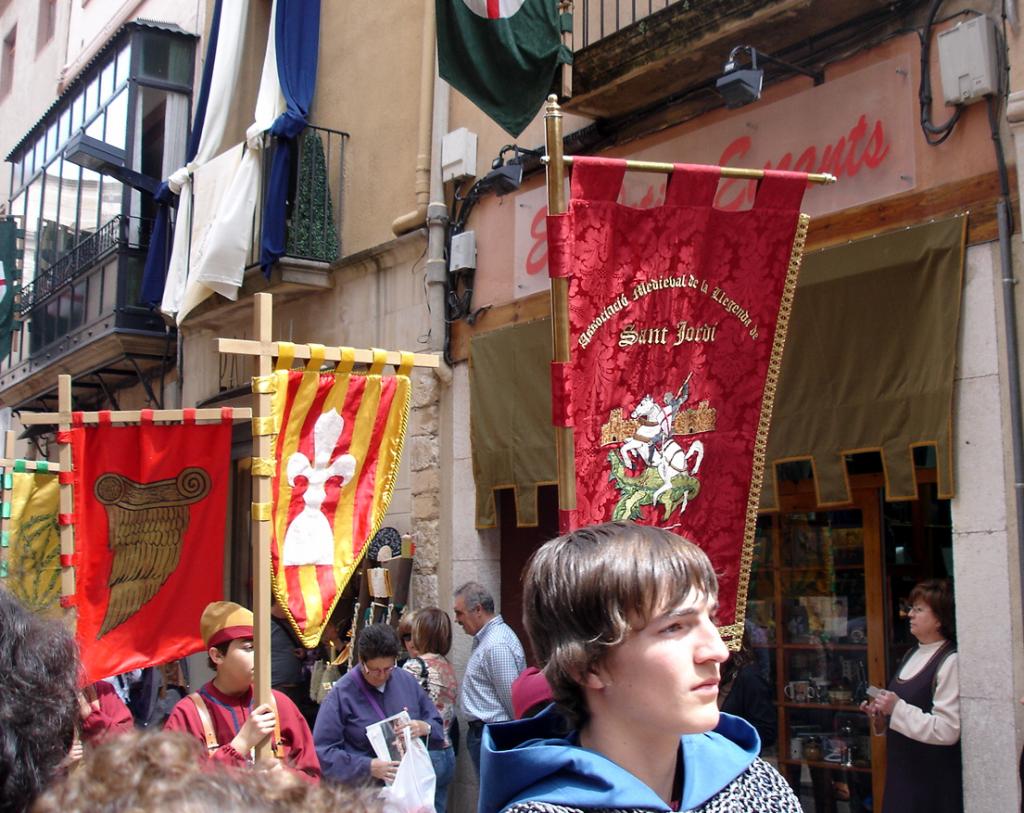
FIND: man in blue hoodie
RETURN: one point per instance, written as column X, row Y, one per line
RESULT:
column 622, row 618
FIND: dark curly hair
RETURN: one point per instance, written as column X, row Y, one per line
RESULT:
column 167, row 771
column 38, row 703
column 377, row 641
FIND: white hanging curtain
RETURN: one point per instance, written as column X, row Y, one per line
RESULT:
column 175, row 131
column 222, row 245
column 223, row 84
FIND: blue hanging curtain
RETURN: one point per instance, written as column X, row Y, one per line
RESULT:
column 159, row 255
column 297, row 33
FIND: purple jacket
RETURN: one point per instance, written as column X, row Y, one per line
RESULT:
column 340, row 732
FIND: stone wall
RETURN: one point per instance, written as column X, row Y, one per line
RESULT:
column 423, row 454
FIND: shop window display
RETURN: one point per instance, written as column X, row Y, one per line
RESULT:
column 823, row 616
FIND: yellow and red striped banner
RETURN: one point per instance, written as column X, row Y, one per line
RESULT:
column 339, row 442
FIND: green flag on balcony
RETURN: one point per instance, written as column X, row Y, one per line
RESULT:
column 501, row 54
column 9, row 256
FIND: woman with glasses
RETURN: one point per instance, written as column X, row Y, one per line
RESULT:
column 920, row 711
column 430, row 641
column 369, row 693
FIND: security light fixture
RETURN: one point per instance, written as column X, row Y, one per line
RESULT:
column 742, row 86
column 505, row 177
column 503, row 180
column 106, row 159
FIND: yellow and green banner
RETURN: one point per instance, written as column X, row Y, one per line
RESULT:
column 32, row 538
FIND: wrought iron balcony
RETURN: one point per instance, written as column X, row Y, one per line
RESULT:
column 594, row 20
column 636, row 56
column 121, row 231
column 83, row 313
column 315, row 199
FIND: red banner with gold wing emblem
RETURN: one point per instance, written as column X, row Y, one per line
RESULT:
column 150, row 505
column 336, row 458
column 678, row 318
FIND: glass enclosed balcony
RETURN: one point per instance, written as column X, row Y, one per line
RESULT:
column 85, row 234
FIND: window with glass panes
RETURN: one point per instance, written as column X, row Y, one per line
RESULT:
column 136, row 98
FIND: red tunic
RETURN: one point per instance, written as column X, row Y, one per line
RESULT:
column 228, row 713
column 110, row 719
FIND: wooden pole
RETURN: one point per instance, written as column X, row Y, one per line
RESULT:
column 302, row 351
column 566, row 7
column 564, row 442
column 135, row 416
column 66, row 499
column 260, row 539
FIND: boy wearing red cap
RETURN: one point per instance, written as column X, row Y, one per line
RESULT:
column 221, row 714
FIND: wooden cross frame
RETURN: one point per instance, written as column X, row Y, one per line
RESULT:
column 265, row 349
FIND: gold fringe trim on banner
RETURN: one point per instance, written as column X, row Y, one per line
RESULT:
column 380, row 358
column 316, row 357
column 262, row 511
column 285, row 355
column 263, row 467
column 265, row 425
column 264, row 384
column 733, row 634
column 347, row 361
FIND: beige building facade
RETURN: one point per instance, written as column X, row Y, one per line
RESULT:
column 641, row 89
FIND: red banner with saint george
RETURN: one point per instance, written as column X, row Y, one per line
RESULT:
column 150, row 505
column 678, row 316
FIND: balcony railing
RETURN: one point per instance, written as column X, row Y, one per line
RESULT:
column 596, row 19
column 315, row 199
column 121, row 231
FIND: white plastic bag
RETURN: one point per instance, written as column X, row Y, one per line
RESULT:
column 413, row 788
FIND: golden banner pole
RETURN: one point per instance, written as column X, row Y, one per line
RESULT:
column 564, row 443
column 727, row 172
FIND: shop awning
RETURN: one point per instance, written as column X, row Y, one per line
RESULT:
column 868, row 366
column 869, row 361
column 510, row 417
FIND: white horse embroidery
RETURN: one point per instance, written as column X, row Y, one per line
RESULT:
column 309, row 539
column 654, row 445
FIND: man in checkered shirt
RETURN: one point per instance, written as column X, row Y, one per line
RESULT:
column 496, row 661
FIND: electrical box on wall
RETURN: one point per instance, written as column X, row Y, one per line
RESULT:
column 458, row 155
column 463, row 251
column 969, row 60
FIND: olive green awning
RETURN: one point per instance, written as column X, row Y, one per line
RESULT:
column 510, row 418
column 869, row 361
column 868, row 366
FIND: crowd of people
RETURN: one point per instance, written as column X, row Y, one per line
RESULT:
column 623, row 713
column 68, row 746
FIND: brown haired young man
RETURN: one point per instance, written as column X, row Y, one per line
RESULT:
column 221, row 714
column 622, row 617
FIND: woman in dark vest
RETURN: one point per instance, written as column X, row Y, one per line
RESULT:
column 922, row 709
